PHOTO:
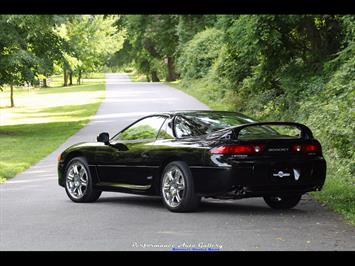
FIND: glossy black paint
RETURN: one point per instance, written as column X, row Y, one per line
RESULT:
column 136, row 166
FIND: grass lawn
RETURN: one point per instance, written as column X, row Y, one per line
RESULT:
column 337, row 194
column 42, row 119
column 205, row 94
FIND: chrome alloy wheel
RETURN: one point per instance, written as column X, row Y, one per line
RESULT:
column 173, row 187
column 77, row 180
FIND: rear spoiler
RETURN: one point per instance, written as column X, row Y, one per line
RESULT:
column 306, row 133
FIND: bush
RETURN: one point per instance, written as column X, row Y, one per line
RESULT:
column 200, row 53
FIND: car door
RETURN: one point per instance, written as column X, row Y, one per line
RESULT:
column 127, row 160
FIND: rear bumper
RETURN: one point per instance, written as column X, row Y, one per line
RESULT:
column 257, row 177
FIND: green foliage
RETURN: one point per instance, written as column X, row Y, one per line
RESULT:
column 189, row 25
column 91, row 40
column 28, row 47
column 285, row 67
column 200, row 53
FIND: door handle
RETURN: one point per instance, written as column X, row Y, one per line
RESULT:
column 145, row 154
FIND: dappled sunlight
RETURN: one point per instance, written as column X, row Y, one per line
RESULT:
column 34, row 108
column 40, row 121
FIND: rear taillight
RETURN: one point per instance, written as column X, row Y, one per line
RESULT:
column 306, row 148
column 238, row 149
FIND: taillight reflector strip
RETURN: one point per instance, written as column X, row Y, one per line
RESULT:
column 237, row 149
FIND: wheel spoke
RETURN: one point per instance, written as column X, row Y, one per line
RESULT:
column 80, row 192
column 170, row 177
column 178, row 176
column 75, row 169
column 178, row 198
column 180, row 187
column 172, row 200
column 70, row 175
column 166, row 187
column 82, row 172
column 181, row 184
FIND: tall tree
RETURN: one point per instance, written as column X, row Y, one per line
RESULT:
column 152, row 42
column 16, row 62
column 28, row 47
column 92, row 39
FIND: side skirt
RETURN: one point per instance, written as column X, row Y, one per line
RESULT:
column 125, row 188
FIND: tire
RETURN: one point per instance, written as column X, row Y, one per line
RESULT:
column 282, row 202
column 74, row 181
column 177, row 182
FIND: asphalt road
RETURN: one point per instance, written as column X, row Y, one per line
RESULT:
column 36, row 214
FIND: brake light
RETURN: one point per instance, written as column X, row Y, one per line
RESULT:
column 306, row 148
column 237, row 149
column 310, row 148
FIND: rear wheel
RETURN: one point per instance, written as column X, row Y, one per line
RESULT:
column 177, row 188
column 282, row 202
column 78, row 181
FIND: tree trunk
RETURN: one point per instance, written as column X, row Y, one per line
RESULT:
column 70, row 78
column 79, row 76
column 171, row 69
column 12, row 95
column 315, row 40
column 154, row 76
column 148, row 78
column 65, row 77
column 44, row 85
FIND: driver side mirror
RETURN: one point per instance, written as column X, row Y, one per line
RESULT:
column 103, row 137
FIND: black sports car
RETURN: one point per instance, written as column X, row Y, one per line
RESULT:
column 186, row 155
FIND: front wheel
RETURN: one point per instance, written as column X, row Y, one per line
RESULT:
column 282, row 202
column 177, row 188
column 78, row 181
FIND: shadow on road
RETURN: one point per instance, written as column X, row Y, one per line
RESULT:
column 207, row 205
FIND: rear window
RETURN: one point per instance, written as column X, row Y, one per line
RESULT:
column 270, row 132
column 204, row 123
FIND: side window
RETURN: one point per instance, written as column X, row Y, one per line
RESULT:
column 166, row 131
column 147, row 128
column 182, row 127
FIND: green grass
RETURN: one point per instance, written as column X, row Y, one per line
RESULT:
column 206, row 93
column 58, row 81
column 42, row 120
column 338, row 194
